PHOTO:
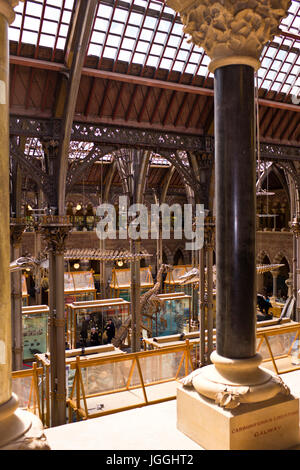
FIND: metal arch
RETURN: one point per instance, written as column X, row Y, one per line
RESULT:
column 127, row 172
column 43, row 181
column 109, row 180
column 78, row 168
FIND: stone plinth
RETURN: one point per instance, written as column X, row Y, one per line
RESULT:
column 271, row 425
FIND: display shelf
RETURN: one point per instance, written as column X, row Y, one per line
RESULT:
column 279, row 346
column 83, row 316
column 35, row 330
column 172, row 282
column 174, row 315
column 79, row 286
column 121, row 282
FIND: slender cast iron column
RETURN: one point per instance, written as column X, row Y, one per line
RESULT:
column 235, row 210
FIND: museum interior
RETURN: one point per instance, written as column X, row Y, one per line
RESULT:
column 150, row 236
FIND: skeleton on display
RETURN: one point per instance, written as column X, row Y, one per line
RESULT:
column 28, row 262
column 150, row 304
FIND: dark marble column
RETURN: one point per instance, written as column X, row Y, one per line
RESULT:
column 235, row 210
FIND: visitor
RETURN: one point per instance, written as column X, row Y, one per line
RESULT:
column 94, row 337
column 110, row 330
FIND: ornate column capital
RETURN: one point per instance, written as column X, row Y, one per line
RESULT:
column 295, row 225
column 231, row 31
column 7, row 9
column 54, row 230
column 17, row 228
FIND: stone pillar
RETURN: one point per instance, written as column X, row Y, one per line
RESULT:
column 233, row 35
column 275, row 276
column 17, row 227
column 295, row 228
column 18, row 429
column 135, row 288
column 209, row 240
column 54, row 230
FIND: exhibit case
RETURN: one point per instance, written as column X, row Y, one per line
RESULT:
column 172, row 282
column 279, row 345
column 25, row 294
column 83, row 316
column 121, row 282
column 35, row 330
column 79, row 286
column 173, row 316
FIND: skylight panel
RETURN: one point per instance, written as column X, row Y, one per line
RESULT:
column 135, row 18
column 97, row 38
column 173, row 40
column 105, row 11
column 34, row 9
column 166, row 64
column 164, row 26
column 120, row 15
column 95, row 50
column 29, row 37
column 170, row 53
column 128, row 44
column 110, row 52
column 152, row 61
column 142, row 46
column 132, row 31
column 52, row 13
column 49, row 28
column 124, row 55
column 156, row 49
column 178, row 66
column 150, row 22
column 139, row 58
column 146, row 35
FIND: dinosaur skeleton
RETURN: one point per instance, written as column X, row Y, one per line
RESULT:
column 192, row 276
column 27, row 262
column 150, row 304
column 104, row 255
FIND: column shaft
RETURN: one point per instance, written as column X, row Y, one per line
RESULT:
column 235, row 210
column 5, row 304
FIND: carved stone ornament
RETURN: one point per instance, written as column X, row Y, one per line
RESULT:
column 231, row 31
column 7, row 9
column 54, row 231
column 230, row 382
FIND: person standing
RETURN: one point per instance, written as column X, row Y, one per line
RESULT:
column 110, row 330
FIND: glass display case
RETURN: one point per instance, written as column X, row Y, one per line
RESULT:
column 35, row 330
column 279, row 345
column 25, row 294
column 79, row 286
column 83, row 316
column 120, row 282
column 174, row 315
column 172, row 283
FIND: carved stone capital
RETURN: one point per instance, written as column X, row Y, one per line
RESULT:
column 7, row 9
column 231, row 31
column 295, row 225
column 54, row 231
column 17, row 228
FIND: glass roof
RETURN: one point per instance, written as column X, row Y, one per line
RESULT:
column 148, row 33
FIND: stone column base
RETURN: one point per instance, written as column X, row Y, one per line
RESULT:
column 270, row 425
column 20, row 429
